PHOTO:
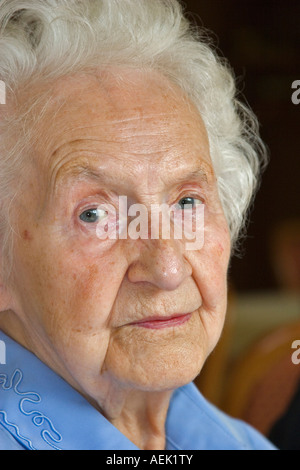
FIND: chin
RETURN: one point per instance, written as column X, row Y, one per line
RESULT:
column 164, row 376
column 158, row 360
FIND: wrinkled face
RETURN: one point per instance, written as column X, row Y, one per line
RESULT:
column 141, row 313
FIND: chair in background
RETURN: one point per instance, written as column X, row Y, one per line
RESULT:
column 264, row 380
column 285, row 254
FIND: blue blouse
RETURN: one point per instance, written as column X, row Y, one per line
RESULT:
column 40, row 411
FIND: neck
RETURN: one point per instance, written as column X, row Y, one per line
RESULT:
column 141, row 417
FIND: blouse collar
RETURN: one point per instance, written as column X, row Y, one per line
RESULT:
column 33, row 408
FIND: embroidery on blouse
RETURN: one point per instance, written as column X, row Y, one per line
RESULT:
column 38, row 418
column 23, row 438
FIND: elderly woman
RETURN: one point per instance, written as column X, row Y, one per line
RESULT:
column 110, row 99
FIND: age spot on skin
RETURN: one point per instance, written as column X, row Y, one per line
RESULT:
column 27, row 235
column 220, row 249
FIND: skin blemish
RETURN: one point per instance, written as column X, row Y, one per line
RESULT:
column 27, row 235
column 219, row 249
column 93, row 272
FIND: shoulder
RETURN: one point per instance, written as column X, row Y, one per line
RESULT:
column 203, row 426
column 7, row 441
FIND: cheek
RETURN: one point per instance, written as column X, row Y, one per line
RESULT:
column 210, row 269
column 89, row 292
column 93, row 293
column 63, row 288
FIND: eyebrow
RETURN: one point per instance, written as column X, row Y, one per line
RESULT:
column 76, row 170
column 86, row 171
column 204, row 173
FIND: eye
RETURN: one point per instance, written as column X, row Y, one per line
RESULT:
column 189, row 201
column 92, row 215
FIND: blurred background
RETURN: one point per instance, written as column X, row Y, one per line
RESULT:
column 251, row 373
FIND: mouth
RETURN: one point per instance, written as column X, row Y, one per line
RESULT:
column 157, row 322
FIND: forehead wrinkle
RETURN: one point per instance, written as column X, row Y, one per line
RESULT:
column 138, row 116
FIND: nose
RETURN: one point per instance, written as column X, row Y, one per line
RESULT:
column 161, row 263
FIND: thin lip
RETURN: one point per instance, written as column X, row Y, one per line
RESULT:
column 161, row 319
